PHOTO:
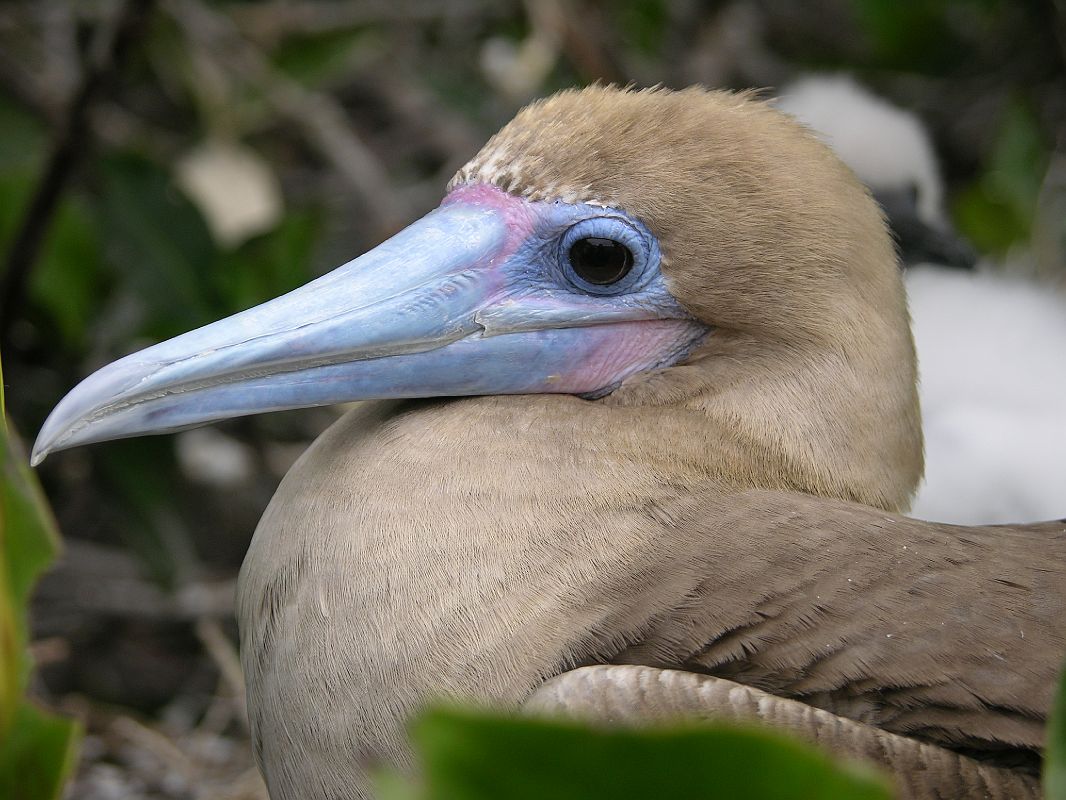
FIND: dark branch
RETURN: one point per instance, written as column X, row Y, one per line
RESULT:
column 70, row 144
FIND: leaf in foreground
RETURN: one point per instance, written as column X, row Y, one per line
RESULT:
column 1055, row 750
column 468, row 756
column 36, row 749
column 37, row 755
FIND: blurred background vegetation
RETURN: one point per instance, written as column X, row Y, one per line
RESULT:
column 164, row 164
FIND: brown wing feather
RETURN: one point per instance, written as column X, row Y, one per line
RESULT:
column 954, row 635
column 628, row 695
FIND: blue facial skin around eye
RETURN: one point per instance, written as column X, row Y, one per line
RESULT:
column 541, row 264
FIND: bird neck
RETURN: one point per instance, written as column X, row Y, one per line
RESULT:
column 835, row 419
column 471, row 548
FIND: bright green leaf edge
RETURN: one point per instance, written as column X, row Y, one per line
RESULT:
column 38, row 755
column 37, row 749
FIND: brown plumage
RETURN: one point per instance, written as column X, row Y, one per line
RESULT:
column 631, row 695
column 473, row 548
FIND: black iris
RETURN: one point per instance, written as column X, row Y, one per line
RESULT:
column 600, row 261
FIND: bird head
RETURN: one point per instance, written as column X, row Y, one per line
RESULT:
column 601, row 236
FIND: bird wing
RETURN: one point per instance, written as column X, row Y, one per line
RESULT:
column 951, row 634
column 634, row 695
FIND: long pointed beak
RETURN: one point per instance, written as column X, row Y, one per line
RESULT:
column 438, row 310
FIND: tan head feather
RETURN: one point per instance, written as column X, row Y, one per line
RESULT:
column 768, row 237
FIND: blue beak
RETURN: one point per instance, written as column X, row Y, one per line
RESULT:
column 444, row 308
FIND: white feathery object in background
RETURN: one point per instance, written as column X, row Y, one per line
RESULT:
column 886, row 146
column 991, row 348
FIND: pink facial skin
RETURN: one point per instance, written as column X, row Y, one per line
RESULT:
column 625, row 349
column 518, row 215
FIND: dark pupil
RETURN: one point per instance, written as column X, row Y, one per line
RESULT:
column 600, row 261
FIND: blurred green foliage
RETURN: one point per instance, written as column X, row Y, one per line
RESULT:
column 68, row 281
column 470, row 756
column 134, row 232
column 23, row 144
column 129, row 258
column 912, row 36
column 1055, row 749
column 937, row 38
column 37, row 749
column 160, row 245
column 65, row 278
column 997, row 210
column 643, row 24
column 38, row 755
column 315, row 60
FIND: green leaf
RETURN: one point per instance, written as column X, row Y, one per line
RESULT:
column 159, row 243
column 1019, row 160
column 997, row 211
column 68, row 281
column 23, row 145
column 468, row 756
column 392, row 786
column 316, row 59
column 269, row 265
column 993, row 226
column 30, row 542
column 15, row 189
column 1055, row 749
column 36, row 749
column 919, row 37
column 38, row 756
column 897, row 31
column 144, row 474
column 643, row 23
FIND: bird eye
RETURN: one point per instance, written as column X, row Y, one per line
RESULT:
column 600, row 261
column 607, row 254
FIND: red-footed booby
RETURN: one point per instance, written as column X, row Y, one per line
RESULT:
column 692, row 416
